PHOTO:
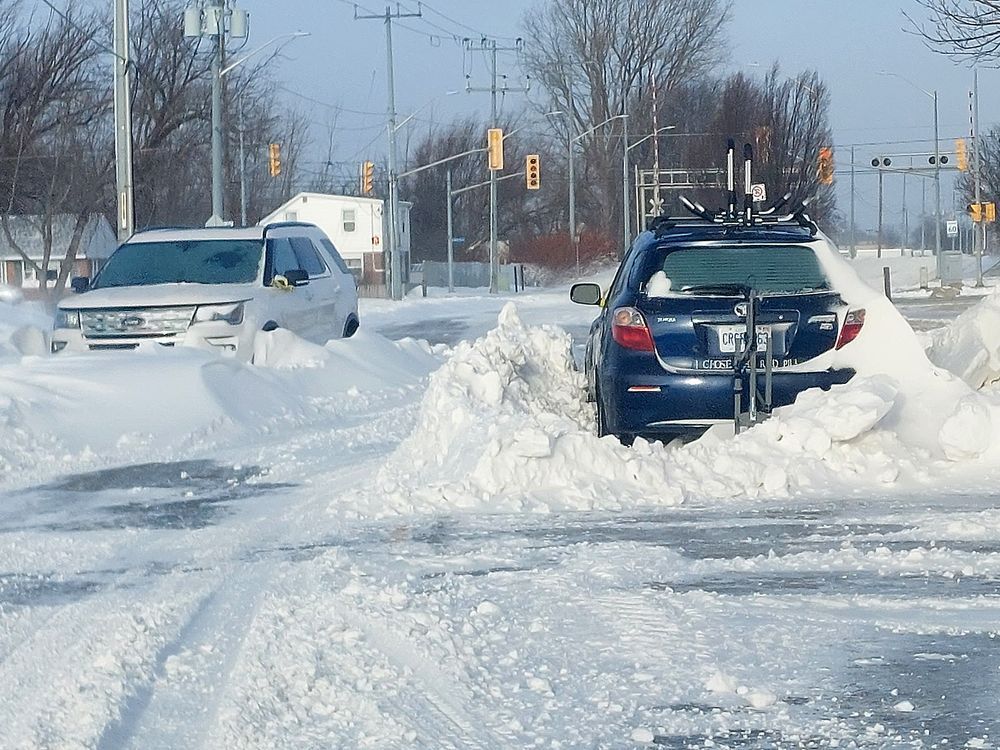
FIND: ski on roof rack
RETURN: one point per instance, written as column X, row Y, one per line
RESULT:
column 732, row 216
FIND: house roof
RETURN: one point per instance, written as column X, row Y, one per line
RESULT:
column 98, row 240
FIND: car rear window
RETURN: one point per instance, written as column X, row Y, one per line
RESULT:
column 768, row 269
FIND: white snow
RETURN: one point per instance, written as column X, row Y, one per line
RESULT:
column 767, row 588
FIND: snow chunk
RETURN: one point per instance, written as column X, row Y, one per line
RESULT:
column 641, row 734
column 903, row 707
column 659, row 285
column 970, row 345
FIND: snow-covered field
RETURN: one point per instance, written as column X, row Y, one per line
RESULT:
column 397, row 544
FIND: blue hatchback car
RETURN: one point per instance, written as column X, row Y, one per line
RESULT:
column 668, row 349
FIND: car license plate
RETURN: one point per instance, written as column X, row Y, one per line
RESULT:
column 732, row 339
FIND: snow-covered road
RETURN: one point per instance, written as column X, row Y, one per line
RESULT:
column 277, row 581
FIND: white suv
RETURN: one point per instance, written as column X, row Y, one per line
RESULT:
column 212, row 289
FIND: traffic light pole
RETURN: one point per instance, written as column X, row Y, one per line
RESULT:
column 451, row 236
column 980, row 241
column 937, row 187
column 123, row 124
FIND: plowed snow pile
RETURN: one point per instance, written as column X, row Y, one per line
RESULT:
column 504, row 427
column 970, row 345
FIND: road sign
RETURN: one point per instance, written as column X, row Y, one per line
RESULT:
column 758, row 192
column 952, row 228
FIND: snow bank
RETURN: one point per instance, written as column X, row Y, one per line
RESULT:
column 503, row 427
column 72, row 412
column 24, row 326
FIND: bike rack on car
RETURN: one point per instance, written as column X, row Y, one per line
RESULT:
column 758, row 402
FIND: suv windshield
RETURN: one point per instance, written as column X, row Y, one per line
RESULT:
column 774, row 269
column 182, row 261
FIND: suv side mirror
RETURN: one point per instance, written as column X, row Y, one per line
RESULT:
column 296, row 277
column 80, row 284
column 586, row 294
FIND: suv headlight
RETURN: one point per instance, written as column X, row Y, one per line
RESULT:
column 67, row 319
column 232, row 313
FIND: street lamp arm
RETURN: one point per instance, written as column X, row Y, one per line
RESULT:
column 281, row 37
column 585, row 133
column 651, row 135
column 439, row 162
column 893, row 74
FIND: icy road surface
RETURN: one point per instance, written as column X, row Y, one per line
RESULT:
column 261, row 584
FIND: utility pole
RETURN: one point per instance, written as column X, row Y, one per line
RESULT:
column 123, row 124
column 394, row 249
column 490, row 46
column 217, row 15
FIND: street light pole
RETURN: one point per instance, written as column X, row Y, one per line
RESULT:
column 572, row 182
column 451, row 236
column 626, row 222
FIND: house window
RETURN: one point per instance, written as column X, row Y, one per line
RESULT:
column 350, row 219
column 291, row 215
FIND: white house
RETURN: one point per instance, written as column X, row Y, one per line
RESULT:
column 96, row 245
column 356, row 226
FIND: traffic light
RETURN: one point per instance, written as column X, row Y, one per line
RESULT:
column 494, row 148
column 825, row 166
column 931, row 160
column 990, row 210
column 274, row 159
column 975, row 211
column 367, row 177
column 961, row 155
column 531, row 173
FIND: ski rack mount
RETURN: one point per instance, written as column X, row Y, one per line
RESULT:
column 732, row 215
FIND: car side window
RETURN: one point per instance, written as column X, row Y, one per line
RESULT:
column 282, row 258
column 334, row 255
column 623, row 273
column 308, row 259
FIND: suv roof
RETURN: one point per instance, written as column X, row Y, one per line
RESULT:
column 168, row 234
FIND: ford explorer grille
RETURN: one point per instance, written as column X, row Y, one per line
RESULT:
column 136, row 322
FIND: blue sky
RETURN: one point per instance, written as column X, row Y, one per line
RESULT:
column 847, row 41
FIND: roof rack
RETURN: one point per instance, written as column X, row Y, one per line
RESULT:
column 731, row 216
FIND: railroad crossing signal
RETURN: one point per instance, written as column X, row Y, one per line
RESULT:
column 274, row 159
column 531, row 173
column 367, row 177
column 494, row 148
column 825, row 166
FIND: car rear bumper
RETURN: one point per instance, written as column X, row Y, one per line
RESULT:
column 674, row 404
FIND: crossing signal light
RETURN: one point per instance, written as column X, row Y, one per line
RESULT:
column 961, row 155
column 531, row 172
column 825, row 166
column 494, row 148
column 274, row 159
column 932, row 160
column 367, row 177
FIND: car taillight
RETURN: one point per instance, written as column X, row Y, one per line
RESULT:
column 629, row 329
column 853, row 323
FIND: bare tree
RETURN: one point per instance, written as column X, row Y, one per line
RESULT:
column 961, row 28
column 596, row 59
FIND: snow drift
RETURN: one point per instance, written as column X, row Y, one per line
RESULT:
column 504, row 427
